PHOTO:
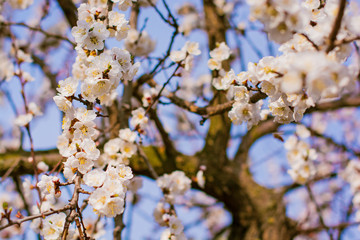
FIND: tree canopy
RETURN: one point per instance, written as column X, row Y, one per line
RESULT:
column 245, row 111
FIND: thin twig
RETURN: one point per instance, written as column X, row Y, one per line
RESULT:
column 40, row 215
column 321, row 219
column 8, row 172
column 337, row 25
column 60, row 37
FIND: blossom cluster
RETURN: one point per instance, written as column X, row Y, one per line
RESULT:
column 100, row 72
column 33, row 111
column 218, row 55
column 185, row 56
column 236, row 85
column 149, row 94
column 139, row 43
column 172, row 185
column 300, row 156
column 280, row 18
column 293, row 82
column 308, row 71
column 96, row 73
column 110, row 189
column 315, row 19
column 8, row 70
column 296, row 81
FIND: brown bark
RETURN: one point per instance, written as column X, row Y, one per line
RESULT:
column 69, row 10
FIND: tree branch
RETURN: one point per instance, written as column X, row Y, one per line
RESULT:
column 336, row 26
column 70, row 11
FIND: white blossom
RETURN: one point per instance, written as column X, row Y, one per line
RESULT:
column 68, row 86
column 104, row 204
column 47, row 185
column 138, row 118
column 23, row 120
column 53, row 226
column 127, row 135
column 95, row 178
column 220, row 53
column 139, row 44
